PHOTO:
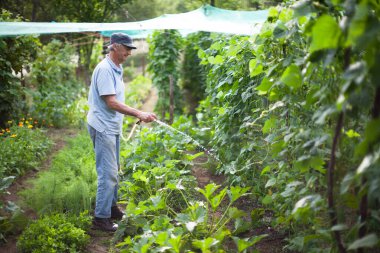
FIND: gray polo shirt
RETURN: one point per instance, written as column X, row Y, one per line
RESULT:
column 107, row 79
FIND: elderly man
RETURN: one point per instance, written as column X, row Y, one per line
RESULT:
column 105, row 120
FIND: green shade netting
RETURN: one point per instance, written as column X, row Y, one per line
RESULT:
column 206, row 18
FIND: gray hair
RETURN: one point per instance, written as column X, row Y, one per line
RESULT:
column 113, row 46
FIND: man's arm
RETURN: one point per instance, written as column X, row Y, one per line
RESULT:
column 113, row 104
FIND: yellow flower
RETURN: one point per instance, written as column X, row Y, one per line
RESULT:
column 7, row 130
column 20, row 124
column 30, row 126
column 9, row 122
column 26, row 122
column 13, row 135
column 30, row 119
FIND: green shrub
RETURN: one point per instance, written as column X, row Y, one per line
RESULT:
column 70, row 184
column 22, row 148
column 15, row 53
column 56, row 233
column 56, row 89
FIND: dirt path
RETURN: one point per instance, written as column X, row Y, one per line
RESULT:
column 58, row 137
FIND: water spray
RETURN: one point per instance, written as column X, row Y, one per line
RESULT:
column 208, row 152
column 159, row 122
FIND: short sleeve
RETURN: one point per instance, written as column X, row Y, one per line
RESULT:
column 105, row 82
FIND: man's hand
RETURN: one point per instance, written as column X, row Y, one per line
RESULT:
column 147, row 116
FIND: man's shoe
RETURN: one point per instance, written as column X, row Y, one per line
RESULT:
column 116, row 213
column 104, row 224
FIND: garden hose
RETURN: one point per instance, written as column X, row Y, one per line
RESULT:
column 131, row 133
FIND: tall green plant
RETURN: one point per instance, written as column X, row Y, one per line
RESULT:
column 164, row 51
column 295, row 111
column 193, row 74
column 15, row 53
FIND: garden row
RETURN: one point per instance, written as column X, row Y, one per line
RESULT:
column 294, row 113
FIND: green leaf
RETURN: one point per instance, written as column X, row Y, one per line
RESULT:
column 325, row 34
column 235, row 213
column 215, row 201
column 270, row 182
column 175, row 242
column 357, row 26
column 268, row 125
column 352, row 134
column 243, row 244
column 205, row 245
column 257, row 214
column 267, row 200
column 222, row 111
column 368, row 160
column 255, row 68
column 162, row 238
column 339, row 227
column 215, row 60
column 209, row 190
column 158, row 202
column 317, row 163
column 273, row 12
column 236, row 192
column 292, row 77
column 265, row 170
column 286, row 14
column 279, row 31
column 367, row 241
column 264, row 86
column 241, row 226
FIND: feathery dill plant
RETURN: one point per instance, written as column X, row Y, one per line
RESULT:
column 70, row 184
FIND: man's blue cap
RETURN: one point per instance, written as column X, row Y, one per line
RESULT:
column 122, row 38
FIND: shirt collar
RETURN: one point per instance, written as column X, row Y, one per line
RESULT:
column 116, row 68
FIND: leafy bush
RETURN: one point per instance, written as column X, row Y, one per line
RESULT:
column 56, row 89
column 15, row 53
column 22, row 148
column 70, row 184
column 56, row 233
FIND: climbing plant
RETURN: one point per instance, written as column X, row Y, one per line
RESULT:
column 164, row 51
column 294, row 111
column 193, row 74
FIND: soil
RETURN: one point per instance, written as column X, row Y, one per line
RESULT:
column 58, row 137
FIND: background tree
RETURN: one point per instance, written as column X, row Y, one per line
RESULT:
column 70, row 11
column 15, row 52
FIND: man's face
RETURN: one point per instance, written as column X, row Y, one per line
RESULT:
column 123, row 52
